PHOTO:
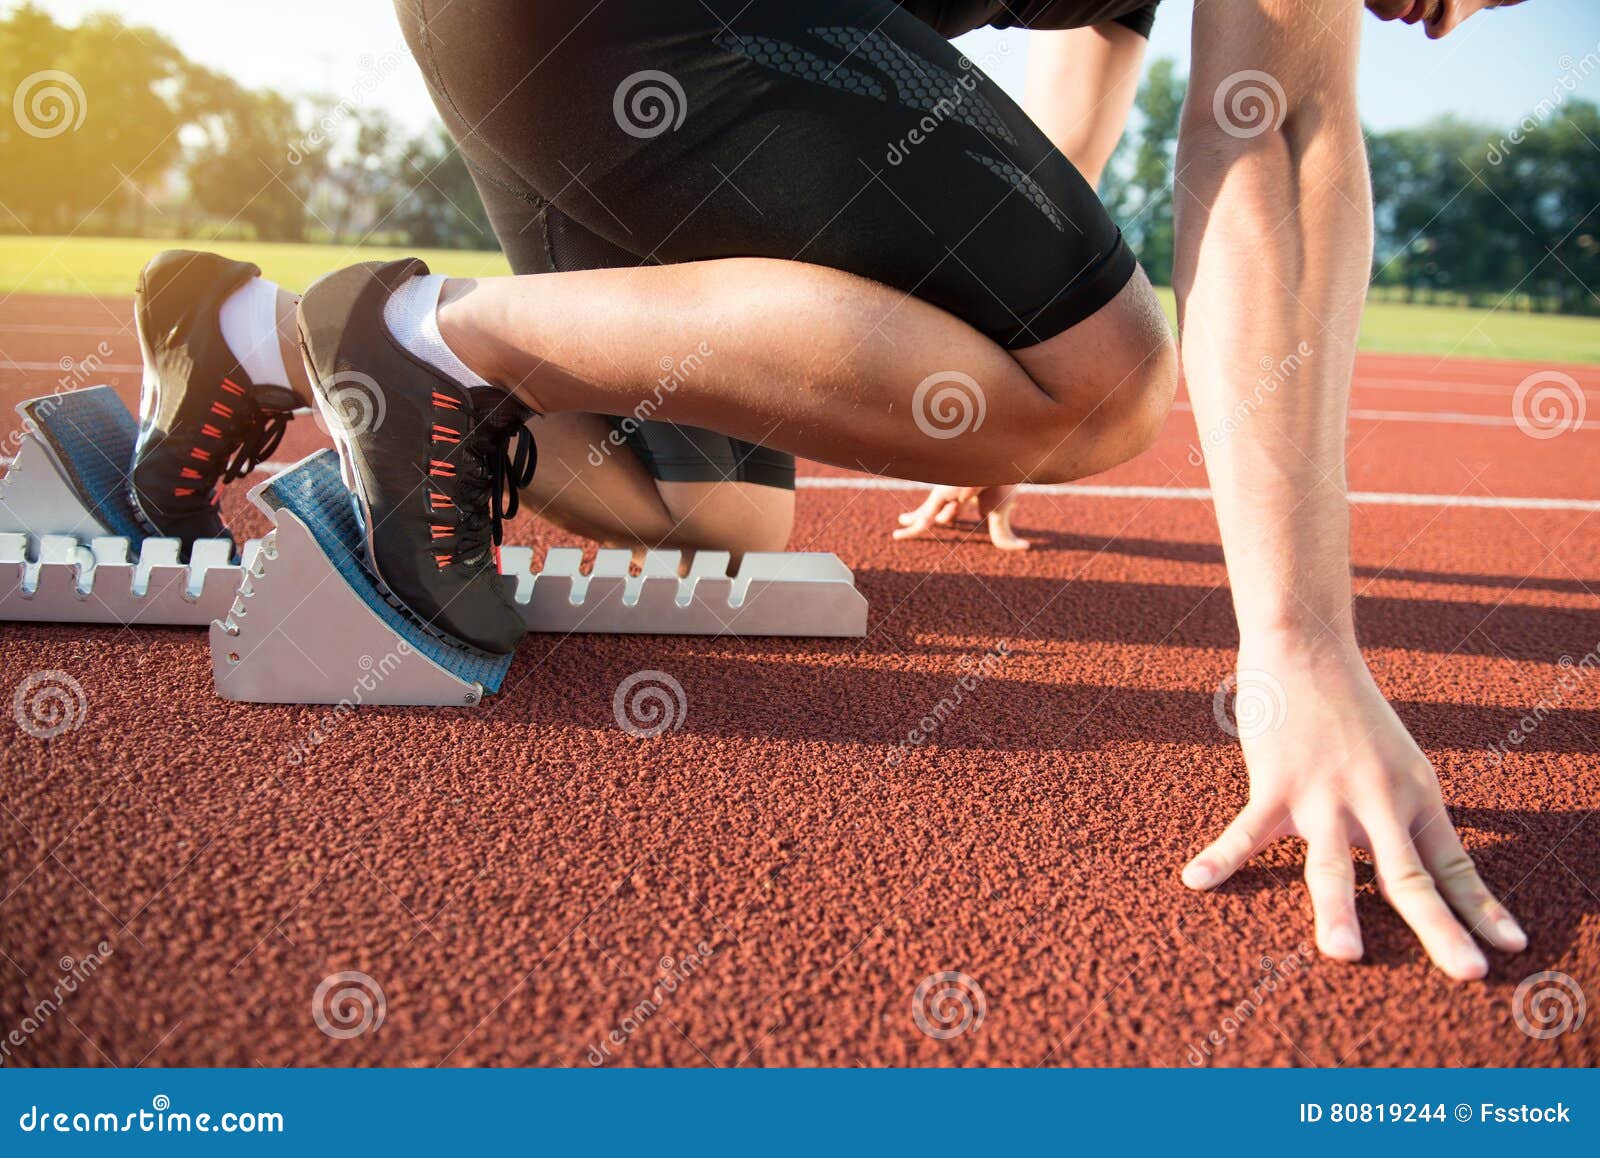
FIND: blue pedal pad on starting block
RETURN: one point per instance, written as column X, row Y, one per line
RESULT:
column 70, row 476
column 71, row 548
column 310, row 625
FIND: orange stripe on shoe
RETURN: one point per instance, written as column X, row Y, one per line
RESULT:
column 189, row 472
column 211, row 431
column 233, row 387
column 222, row 409
column 446, row 401
column 196, row 453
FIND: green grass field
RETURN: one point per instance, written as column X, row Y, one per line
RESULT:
column 107, row 266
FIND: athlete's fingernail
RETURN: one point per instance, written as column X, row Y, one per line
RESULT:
column 1344, row 944
column 1511, row 933
column 1470, row 962
column 1199, row 875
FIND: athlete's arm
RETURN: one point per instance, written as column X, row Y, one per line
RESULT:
column 1081, row 85
column 1274, row 242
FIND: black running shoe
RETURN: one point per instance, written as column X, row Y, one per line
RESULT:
column 427, row 459
column 202, row 422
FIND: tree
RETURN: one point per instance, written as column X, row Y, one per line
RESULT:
column 91, row 119
column 256, row 165
column 1138, row 184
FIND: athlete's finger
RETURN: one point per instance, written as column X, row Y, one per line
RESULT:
column 1331, row 881
column 1254, row 828
column 1458, row 881
column 1410, row 889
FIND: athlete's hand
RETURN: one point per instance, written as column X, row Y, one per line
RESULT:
column 1439, row 16
column 1330, row 762
column 944, row 504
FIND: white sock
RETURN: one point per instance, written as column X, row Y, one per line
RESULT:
column 249, row 321
column 412, row 315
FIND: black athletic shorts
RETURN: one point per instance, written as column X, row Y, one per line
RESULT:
column 846, row 133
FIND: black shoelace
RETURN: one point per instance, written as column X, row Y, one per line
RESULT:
column 504, row 470
column 261, row 438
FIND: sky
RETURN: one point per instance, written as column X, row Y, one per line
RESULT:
column 1495, row 68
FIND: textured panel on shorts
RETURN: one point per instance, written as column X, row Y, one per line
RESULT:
column 922, row 84
column 1023, row 184
column 792, row 60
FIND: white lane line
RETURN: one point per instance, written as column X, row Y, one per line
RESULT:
column 1441, row 417
column 42, row 328
column 1190, row 494
column 1409, row 385
column 1203, row 494
column 108, row 367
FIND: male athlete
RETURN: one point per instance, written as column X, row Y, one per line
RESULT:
column 811, row 226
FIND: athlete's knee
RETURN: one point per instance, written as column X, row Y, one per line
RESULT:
column 1114, row 376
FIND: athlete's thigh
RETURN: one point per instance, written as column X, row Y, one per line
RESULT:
column 844, row 133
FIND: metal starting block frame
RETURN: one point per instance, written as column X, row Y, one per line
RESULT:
column 299, row 619
column 72, row 549
column 310, row 624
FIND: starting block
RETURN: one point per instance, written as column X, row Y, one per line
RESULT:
column 297, row 618
column 310, row 624
column 72, row 549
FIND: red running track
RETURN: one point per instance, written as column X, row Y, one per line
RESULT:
column 515, row 879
